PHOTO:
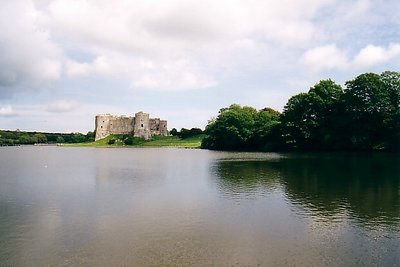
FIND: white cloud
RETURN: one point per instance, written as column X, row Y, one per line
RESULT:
column 287, row 23
column 7, row 111
column 175, row 44
column 172, row 75
column 136, row 40
column 145, row 27
column 324, row 57
column 75, row 69
column 331, row 57
column 358, row 8
column 175, row 76
column 176, row 81
column 372, row 55
column 27, row 55
column 62, row 106
column 145, row 43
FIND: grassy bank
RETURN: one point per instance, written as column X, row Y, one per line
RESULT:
column 156, row 141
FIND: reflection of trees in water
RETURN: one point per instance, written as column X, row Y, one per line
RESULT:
column 245, row 177
column 365, row 185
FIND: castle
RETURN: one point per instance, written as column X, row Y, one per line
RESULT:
column 139, row 126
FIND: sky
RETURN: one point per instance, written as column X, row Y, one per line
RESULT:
column 64, row 61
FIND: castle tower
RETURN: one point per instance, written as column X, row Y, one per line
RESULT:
column 142, row 125
column 154, row 126
column 102, row 123
column 158, row 127
column 163, row 128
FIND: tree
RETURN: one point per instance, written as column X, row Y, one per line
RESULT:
column 27, row 139
column 60, row 140
column 368, row 108
column 266, row 135
column 391, row 81
column 174, row 132
column 9, row 135
column 90, row 136
column 111, row 141
column 77, row 138
column 41, row 138
column 128, row 140
column 231, row 130
column 295, row 121
column 309, row 119
column 186, row 133
column 195, row 131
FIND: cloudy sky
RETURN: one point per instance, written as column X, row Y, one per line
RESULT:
column 64, row 61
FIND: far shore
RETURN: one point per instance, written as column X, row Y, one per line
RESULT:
column 157, row 141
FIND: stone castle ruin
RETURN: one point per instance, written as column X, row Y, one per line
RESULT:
column 139, row 126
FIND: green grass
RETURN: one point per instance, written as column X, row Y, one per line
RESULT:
column 156, row 141
column 173, row 141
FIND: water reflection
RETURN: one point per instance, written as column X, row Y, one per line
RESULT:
column 364, row 187
column 367, row 184
column 170, row 207
column 245, row 178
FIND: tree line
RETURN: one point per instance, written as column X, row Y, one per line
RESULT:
column 364, row 115
column 186, row 133
column 10, row 138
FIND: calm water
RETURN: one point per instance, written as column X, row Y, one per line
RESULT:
column 163, row 207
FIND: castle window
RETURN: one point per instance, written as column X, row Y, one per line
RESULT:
column 142, row 125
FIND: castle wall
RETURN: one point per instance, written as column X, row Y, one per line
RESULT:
column 155, row 126
column 139, row 126
column 158, row 127
column 110, row 124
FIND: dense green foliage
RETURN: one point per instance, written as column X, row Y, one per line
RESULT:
column 365, row 115
column 10, row 138
column 186, row 133
column 239, row 127
column 313, row 120
column 372, row 106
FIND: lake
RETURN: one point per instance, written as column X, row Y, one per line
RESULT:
column 63, row 206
